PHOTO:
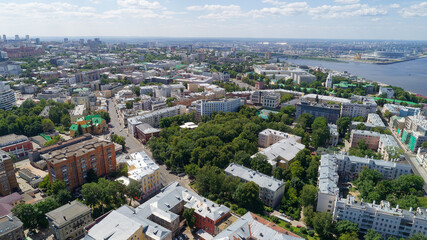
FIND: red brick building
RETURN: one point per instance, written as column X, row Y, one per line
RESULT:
column 259, row 85
column 72, row 163
column 145, row 131
column 22, row 51
column 18, row 145
column 8, row 183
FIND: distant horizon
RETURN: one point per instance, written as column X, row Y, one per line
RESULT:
column 214, row 38
column 265, row 19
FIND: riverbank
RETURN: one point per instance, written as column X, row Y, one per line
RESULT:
column 409, row 75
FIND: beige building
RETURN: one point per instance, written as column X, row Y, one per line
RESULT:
column 68, row 221
column 371, row 138
column 11, row 228
column 269, row 137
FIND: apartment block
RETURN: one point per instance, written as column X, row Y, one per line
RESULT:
column 18, row 145
column 142, row 169
column 382, row 218
column 271, row 189
column 207, row 107
column 145, row 131
column 71, row 163
column 400, row 111
column 334, row 135
column 324, row 99
column 11, row 228
column 7, row 96
column 388, row 91
column 375, row 120
column 69, row 220
column 389, row 148
column 330, row 112
column 268, row 137
column 371, row 138
column 282, row 153
column 251, row 226
column 267, row 98
column 339, row 166
column 160, row 217
column 8, row 183
column 359, row 106
column 87, row 76
column 154, row 117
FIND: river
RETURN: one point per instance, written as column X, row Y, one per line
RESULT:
column 409, row 75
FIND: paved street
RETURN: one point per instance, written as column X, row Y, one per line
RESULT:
column 133, row 145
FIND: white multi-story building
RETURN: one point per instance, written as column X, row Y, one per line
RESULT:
column 207, row 107
column 7, row 96
column 324, row 99
column 389, row 148
column 282, row 153
column 328, row 83
column 382, row 218
column 271, row 100
column 154, row 117
column 388, row 91
column 142, row 169
column 271, row 190
column 335, row 166
column 359, row 106
column 334, row 135
column 268, row 137
column 375, row 120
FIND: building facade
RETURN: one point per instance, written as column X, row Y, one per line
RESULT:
column 11, row 228
column 69, row 220
column 18, row 145
column 8, row 183
column 372, row 139
column 144, row 132
column 207, row 107
column 271, row 190
column 7, row 96
column 359, row 106
column 70, row 164
column 382, row 218
column 142, row 169
column 268, row 137
column 330, row 112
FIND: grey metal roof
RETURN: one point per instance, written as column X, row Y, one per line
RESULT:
column 68, row 212
column 249, row 175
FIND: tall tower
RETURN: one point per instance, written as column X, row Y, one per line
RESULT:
column 328, row 83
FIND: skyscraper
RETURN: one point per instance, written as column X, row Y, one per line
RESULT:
column 17, row 37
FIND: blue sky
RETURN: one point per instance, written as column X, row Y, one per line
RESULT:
column 338, row 19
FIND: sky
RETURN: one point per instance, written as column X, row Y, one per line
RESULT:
column 329, row 19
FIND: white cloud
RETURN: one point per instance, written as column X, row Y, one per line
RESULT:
column 346, row 1
column 351, row 10
column 95, row 1
column 394, row 5
column 139, row 4
column 416, row 10
column 219, row 12
column 285, row 9
column 375, row 19
column 36, row 10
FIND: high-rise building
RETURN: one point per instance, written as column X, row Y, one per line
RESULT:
column 4, row 37
column 27, row 37
column 7, row 96
column 328, row 83
column 8, row 183
column 16, row 37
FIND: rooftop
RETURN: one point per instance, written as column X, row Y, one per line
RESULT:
column 67, row 213
column 8, row 224
column 249, row 175
column 76, row 149
column 140, row 165
column 11, row 139
column 285, row 149
column 365, row 132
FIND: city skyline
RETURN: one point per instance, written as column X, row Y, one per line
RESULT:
column 332, row 19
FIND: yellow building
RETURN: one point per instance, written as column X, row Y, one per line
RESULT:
column 143, row 170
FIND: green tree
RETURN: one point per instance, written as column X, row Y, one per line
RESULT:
column 349, row 236
column 343, row 124
column 189, row 217
column 25, row 213
column 346, row 227
column 129, row 105
column 63, row 196
column 322, row 224
column 191, row 170
column 105, row 115
column 91, row 176
column 372, row 235
column 259, row 163
column 57, row 186
column 309, row 214
column 247, row 195
column 47, row 125
column 418, row 236
column 387, row 114
column 305, row 120
column 308, row 195
column 66, row 120
column 45, row 184
column 133, row 191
